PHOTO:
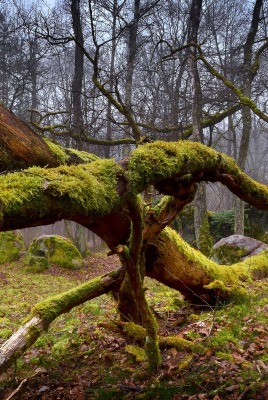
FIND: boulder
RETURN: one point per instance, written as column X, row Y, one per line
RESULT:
column 57, row 250
column 235, row 248
column 11, row 246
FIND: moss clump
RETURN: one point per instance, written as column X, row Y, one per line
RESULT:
column 60, row 348
column 162, row 160
column 205, row 239
column 180, row 344
column 227, row 254
column 5, row 333
column 83, row 155
column 137, row 352
column 134, row 331
column 35, row 263
column 57, row 250
column 11, row 246
column 138, row 333
column 58, row 151
column 89, row 188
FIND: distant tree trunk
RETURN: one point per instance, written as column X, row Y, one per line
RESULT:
column 3, row 60
column 200, row 204
column 112, row 77
column 132, row 53
column 77, row 84
column 33, row 73
column 246, row 112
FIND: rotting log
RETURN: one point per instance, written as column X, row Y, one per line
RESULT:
column 48, row 310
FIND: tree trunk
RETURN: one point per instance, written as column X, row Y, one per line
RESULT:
column 248, row 77
column 174, row 263
column 111, row 79
column 77, row 84
column 200, row 205
column 169, row 260
column 131, row 57
column 97, row 195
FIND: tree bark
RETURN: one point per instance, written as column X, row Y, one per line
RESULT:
column 111, row 79
column 200, row 203
column 20, row 146
column 97, row 195
column 248, row 77
column 77, row 84
column 174, row 263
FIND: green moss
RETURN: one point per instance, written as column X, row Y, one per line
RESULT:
column 11, row 246
column 228, row 254
column 5, row 333
column 223, row 337
column 138, row 334
column 83, row 155
column 51, row 308
column 222, row 279
column 60, row 348
column 90, row 187
column 84, row 188
column 134, row 331
column 225, row 356
column 180, row 344
column 162, row 160
column 205, row 239
column 200, row 264
column 19, row 189
column 185, row 361
column 137, row 352
column 58, row 151
column 35, row 264
column 4, row 321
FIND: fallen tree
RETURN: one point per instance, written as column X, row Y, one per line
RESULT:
column 104, row 196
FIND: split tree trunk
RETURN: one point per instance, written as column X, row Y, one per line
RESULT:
column 97, row 196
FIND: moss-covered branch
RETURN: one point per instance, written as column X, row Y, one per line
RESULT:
column 48, row 310
column 186, row 131
column 246, row 101
column 133, row 259
column 176, row 264
column 91, row 193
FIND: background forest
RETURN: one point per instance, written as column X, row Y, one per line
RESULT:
column 113, row 78
column 104, row 75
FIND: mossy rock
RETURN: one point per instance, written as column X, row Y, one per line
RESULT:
column 236, row 248
column 34, row 263
column 11, row 246
column 57, row 250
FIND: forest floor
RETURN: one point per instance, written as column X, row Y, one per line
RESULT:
column 85, row 354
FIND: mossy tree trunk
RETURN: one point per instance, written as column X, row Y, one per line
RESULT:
column 200, row 203
column 104, row 197
column 132, row 258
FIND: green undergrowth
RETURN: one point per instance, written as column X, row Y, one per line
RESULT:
column 204, row 350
